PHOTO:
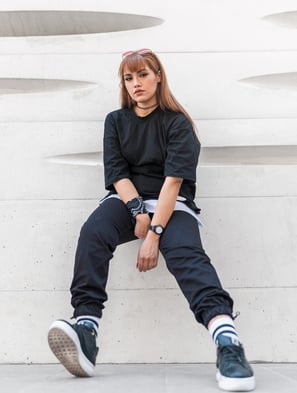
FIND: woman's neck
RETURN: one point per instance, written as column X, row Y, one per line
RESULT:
column 144, row 107
column 144, row 110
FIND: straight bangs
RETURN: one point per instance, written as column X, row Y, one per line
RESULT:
column 132, row 63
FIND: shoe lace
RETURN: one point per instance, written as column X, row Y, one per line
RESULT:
column 232, row 353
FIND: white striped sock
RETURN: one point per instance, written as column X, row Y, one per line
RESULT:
column 89, row 318
column 225, row 326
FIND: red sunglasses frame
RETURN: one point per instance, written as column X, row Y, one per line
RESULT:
column 142, row 51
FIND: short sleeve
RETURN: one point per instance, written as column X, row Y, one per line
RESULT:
column 183, row 150
column 115, row 165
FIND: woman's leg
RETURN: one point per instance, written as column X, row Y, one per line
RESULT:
column 108, row 226
column 75, row 346
column 212, row 305
column 186, row 259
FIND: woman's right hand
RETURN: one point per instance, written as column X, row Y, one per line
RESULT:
column 142, row 225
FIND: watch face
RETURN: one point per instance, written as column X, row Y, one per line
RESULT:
column 158, row 229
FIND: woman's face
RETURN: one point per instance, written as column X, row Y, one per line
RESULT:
column 142, row 85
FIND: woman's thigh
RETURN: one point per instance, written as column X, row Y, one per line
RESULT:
column 111, row 220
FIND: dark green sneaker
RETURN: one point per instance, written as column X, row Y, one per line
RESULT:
column 74, row 346
column 234, row 373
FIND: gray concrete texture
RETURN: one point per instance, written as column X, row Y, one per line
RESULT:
column 140, row 378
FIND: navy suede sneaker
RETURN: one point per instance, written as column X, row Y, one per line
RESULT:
column 74, row 346
column 234, row 373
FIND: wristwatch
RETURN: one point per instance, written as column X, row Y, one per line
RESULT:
column 158, row 229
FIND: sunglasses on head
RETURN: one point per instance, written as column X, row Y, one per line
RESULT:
column 138, row 52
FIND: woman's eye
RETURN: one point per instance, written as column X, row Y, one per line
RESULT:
column 143, row 74
column 127, row 78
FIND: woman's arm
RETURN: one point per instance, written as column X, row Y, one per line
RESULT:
column 149, row 251
column 166, row 201
column 127, row 191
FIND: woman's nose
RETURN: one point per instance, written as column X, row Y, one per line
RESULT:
column 136, row 82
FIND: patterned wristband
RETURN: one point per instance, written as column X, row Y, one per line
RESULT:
column 136, row 206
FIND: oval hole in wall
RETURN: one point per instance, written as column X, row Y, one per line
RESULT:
column 83, row 159
column 280, row 81
column 249, row 155
column 284, row 19
column 28, row 85
column 210, row 156
column 48, row 23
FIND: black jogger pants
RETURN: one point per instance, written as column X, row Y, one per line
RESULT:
column 109, row 226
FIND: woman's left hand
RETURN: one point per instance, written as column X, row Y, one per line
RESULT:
column 148, row 253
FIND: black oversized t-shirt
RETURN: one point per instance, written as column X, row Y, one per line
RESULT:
column 147, row 149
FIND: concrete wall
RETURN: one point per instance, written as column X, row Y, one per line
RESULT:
column 233, row 64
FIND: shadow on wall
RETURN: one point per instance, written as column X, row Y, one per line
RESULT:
column 210, row 156
column 283, row 19
column 47, row 23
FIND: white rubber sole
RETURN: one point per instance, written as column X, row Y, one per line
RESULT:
column 65, row 345
column 235, row 384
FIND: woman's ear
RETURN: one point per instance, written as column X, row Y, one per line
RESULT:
column 159, row 76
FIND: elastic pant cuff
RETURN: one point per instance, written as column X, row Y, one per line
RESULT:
column 209, row 315
column 88, row 309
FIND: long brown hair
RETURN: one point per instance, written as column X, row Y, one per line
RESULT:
column 134, row 62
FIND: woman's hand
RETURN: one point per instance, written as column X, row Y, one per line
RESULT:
column 148, row 253
column 142, row 225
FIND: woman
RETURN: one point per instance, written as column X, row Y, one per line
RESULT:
column 150, row 157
